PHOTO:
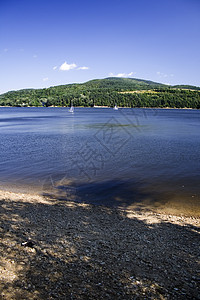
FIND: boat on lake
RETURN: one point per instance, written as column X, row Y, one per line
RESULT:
column 71, row 110
column 115, row 107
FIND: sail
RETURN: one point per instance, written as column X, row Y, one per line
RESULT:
column 71, row 110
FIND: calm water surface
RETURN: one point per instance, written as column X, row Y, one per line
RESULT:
column 102, row 156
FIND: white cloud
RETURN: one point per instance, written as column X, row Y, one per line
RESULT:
column 45, row 79
column 35, row 56
column 121, row 74
column 82, row 68
column 66, row 67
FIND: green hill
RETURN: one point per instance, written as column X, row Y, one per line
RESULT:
column 108, row 91
column 187, row 87
column 123, row 84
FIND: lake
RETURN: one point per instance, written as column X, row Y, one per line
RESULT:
column 122, row 158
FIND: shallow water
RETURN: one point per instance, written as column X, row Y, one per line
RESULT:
column 102, row 156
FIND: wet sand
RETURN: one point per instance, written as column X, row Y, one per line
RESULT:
column 83, row 251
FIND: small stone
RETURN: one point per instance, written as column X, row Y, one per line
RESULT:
column 28, row 244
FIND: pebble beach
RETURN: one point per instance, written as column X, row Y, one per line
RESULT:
column 55, row 249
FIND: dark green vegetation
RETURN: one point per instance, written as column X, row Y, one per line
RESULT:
column 125, row 92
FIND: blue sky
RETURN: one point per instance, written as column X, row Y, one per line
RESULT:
column 45, row 43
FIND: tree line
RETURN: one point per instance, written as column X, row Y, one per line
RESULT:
column 106, row 92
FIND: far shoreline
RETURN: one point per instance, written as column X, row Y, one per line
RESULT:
column 120, row 107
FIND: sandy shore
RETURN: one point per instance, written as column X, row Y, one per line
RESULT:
column 80, row 251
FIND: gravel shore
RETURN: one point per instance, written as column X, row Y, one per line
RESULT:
column 55, row 249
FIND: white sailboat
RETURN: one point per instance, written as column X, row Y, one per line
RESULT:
column 71, row 110
column 115, row 107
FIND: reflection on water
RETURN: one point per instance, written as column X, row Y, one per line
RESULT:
column 102, row 156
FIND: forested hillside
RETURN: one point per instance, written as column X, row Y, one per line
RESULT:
column 125, row 92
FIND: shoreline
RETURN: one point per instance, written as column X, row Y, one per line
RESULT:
column 120, row 107
column 37, row 197
column 172, row 206
column 82, row 251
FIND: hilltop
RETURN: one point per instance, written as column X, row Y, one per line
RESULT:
column 120, row 84
column 107, row 91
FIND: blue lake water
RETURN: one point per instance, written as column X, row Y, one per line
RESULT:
column 102, row 156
